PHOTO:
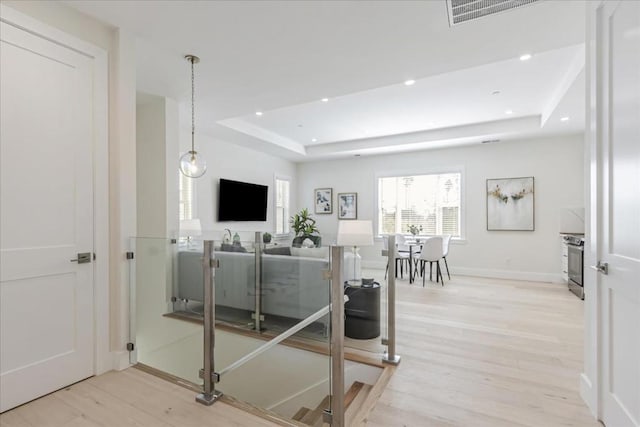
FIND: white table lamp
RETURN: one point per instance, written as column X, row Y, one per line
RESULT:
column 354, row 233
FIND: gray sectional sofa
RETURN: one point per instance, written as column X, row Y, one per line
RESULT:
column 292, row 285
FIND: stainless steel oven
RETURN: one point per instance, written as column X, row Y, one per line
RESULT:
column 575, row 264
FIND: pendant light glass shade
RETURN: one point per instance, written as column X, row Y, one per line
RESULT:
column 191, row 164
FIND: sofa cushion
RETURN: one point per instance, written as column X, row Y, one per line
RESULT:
column 278, row 250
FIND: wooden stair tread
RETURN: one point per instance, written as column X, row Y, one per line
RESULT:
column 352, row 393
column 355, row 405
column 356, row 394
column 314, row 417
column 301, row 413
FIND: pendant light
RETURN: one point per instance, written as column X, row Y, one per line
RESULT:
column 192, row 165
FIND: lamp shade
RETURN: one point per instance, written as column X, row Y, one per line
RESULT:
column 190, row 227
column 355, row 233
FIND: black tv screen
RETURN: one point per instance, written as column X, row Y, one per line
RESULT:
column 241, row 201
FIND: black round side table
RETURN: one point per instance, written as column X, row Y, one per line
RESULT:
column 362, row 311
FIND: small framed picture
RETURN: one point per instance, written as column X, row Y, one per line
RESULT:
column 347, row 205
column 323, row 200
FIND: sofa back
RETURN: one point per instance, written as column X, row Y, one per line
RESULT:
column 292, row 286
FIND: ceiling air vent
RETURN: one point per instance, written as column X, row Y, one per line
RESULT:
column 467, row 10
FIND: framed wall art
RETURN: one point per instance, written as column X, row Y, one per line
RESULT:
column 510, row 204
column 323, row 200
column 347, row 205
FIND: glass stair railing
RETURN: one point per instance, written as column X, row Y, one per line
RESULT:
column 275, row 342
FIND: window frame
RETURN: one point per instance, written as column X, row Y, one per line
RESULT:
column 277, row 178
column 426, row 171
column 194, row 205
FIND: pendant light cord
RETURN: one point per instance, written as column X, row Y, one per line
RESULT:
column 193, row 120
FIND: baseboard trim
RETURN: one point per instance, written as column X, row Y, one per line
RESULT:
column 121, row 360
column 485, row 272
column 587, row 394
column 507, row 274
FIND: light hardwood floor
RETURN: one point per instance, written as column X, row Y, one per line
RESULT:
column 126, row 399
column 476, row 352
column 486, row 352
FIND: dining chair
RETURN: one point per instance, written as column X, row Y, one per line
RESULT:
column 400, row 257
column 431, row 252
column 445, row 251
column 405, row 251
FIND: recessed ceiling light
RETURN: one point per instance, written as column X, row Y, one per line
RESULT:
column 508, row 112
column 258, row 113
column 409, row 82
column 564, row 119
column 525, row 57
column 325, row 100
column 495, row 92
column 314, row 139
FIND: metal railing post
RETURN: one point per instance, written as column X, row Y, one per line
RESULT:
column 258, row 283
column 390, row 356
column 337, row 337
column 209, row 394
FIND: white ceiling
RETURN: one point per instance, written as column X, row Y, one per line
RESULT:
column 282, row 57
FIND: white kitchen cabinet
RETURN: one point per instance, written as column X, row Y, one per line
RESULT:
column 564, row 264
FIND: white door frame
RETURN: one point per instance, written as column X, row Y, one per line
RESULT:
column 103, row 357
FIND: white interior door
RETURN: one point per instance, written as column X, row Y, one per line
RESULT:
column 619, row 231
column 46, row 214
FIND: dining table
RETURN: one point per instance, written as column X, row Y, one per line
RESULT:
column 413, row 263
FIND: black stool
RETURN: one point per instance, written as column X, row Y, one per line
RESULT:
column 362, row 312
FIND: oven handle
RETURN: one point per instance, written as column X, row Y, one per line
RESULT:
column 601, row 267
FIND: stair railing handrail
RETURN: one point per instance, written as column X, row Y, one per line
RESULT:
column 278, row 339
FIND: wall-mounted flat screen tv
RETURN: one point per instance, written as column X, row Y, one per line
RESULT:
column 241, row 201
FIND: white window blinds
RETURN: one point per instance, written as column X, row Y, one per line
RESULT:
column 282, row 206
column 432, row 201
column 185, row 197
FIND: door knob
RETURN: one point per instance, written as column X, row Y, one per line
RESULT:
column 83, row 258
column 601, row 267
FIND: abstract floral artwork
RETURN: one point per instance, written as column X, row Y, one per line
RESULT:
column 510, row 204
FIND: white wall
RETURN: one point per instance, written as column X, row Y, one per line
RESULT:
column 156, row 144
column 225, row 160
column 555, row 163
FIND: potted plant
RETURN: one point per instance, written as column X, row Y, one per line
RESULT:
column 266, row 237
column 304, row 226
column 414, row 229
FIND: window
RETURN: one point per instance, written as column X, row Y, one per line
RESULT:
column 282, row 205
column 185, row 197
column 432, row 201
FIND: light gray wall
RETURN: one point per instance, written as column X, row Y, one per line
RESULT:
column 556, row 164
